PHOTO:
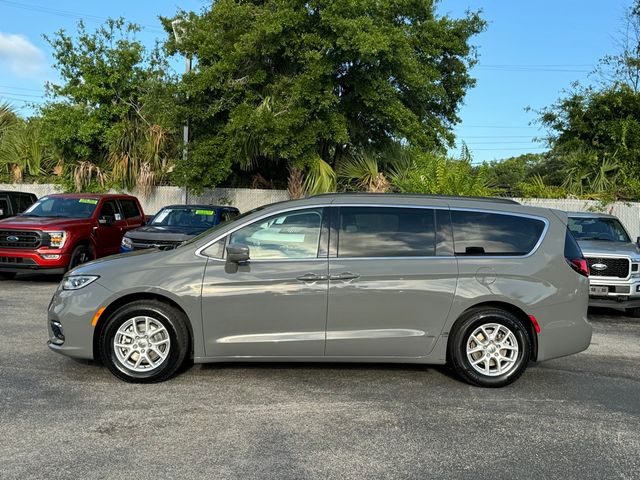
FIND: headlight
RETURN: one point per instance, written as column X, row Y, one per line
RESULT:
column 76, row 282
column 57, row 239
column 127, row 243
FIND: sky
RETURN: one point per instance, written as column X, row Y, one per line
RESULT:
column 530, row 52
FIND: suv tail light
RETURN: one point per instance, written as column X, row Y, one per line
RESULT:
column 573, row 255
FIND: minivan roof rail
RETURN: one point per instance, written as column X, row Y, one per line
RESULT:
column 420, row 195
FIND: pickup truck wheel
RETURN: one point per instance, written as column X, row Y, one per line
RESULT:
column 633, row 312
column 144, row 341
column 81, row 254
column 489, row 347
column 7, row 275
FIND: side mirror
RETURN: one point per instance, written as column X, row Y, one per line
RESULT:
column 106, row 220
column 237, row 253
column 638, row 241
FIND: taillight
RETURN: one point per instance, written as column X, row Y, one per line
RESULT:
column 579, row 265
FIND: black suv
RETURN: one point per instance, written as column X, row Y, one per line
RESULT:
column 13, row 203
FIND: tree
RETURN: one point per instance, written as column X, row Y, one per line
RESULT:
column 307, row 84
column 596, row 135
column 22, row 149
column 112, row 115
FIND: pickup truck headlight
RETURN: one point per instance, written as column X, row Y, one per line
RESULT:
column 76, row 282
column 127, row 243
column 57, row 239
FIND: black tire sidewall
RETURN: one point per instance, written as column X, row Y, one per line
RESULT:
column 76, row 253
column 160, row 313
column 633, row 312
column 467, row 326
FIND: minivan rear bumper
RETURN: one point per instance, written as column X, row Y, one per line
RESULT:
column 564, row 337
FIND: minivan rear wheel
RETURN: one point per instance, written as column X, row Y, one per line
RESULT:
column 489, row 347
column 144, row 341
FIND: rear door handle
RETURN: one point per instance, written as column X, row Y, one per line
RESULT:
column 344, row 276
column 311, row 277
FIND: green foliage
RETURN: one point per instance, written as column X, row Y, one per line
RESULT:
column 363, row 171
column 111, row 118
column 436, row 174
column 535, row 187
column 307, row 83
column 22, row 150
column 596, row 138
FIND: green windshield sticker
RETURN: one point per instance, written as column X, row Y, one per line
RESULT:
column 92, row 201
column 204, row 212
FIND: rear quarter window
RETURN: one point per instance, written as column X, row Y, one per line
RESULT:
column 484, row 233
column 129, row 208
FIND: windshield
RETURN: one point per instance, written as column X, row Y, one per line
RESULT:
column 220, row 225
column 608, row 229
column 62, row 207
column 187, row 217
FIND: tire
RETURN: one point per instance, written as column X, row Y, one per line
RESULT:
column 632, row 312
column 494, row 366
column 7, row 275
column 146, row 361
column 81, row 254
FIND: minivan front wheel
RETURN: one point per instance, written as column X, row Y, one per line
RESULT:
column 489, row 348
column 145, row 341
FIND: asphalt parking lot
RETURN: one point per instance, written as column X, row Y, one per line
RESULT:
column 574, row 417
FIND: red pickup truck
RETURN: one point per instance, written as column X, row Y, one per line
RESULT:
column 61, row 231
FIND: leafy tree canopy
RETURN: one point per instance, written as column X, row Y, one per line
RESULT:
column 113, row 111
column 309, row 83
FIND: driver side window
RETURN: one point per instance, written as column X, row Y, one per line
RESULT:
column 292, row 235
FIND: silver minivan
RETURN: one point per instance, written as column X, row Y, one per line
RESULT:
column 485, row 285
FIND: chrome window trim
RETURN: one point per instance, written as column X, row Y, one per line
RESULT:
column 384, row 205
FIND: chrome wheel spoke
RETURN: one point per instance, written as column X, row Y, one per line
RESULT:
column 499, row 349
column 146, row 337
column 479, row 348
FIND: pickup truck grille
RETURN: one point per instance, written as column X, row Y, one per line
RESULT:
column 23, row 239
column 615, row 267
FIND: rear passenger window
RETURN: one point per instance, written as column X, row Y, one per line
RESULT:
column 386, row 232
column 130, row 208
column 481, row 233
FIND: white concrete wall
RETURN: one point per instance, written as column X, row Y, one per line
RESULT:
column 242, row 198
column 247, row 199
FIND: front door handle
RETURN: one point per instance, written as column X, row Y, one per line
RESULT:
column 311, row 277
column 344, row 276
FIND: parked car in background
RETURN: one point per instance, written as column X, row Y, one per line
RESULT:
column 176, row 224
column 59, row 232
column 613, row 259
column 13, row 203
column 487, row 285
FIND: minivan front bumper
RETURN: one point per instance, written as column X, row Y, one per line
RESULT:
column 70, row 315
